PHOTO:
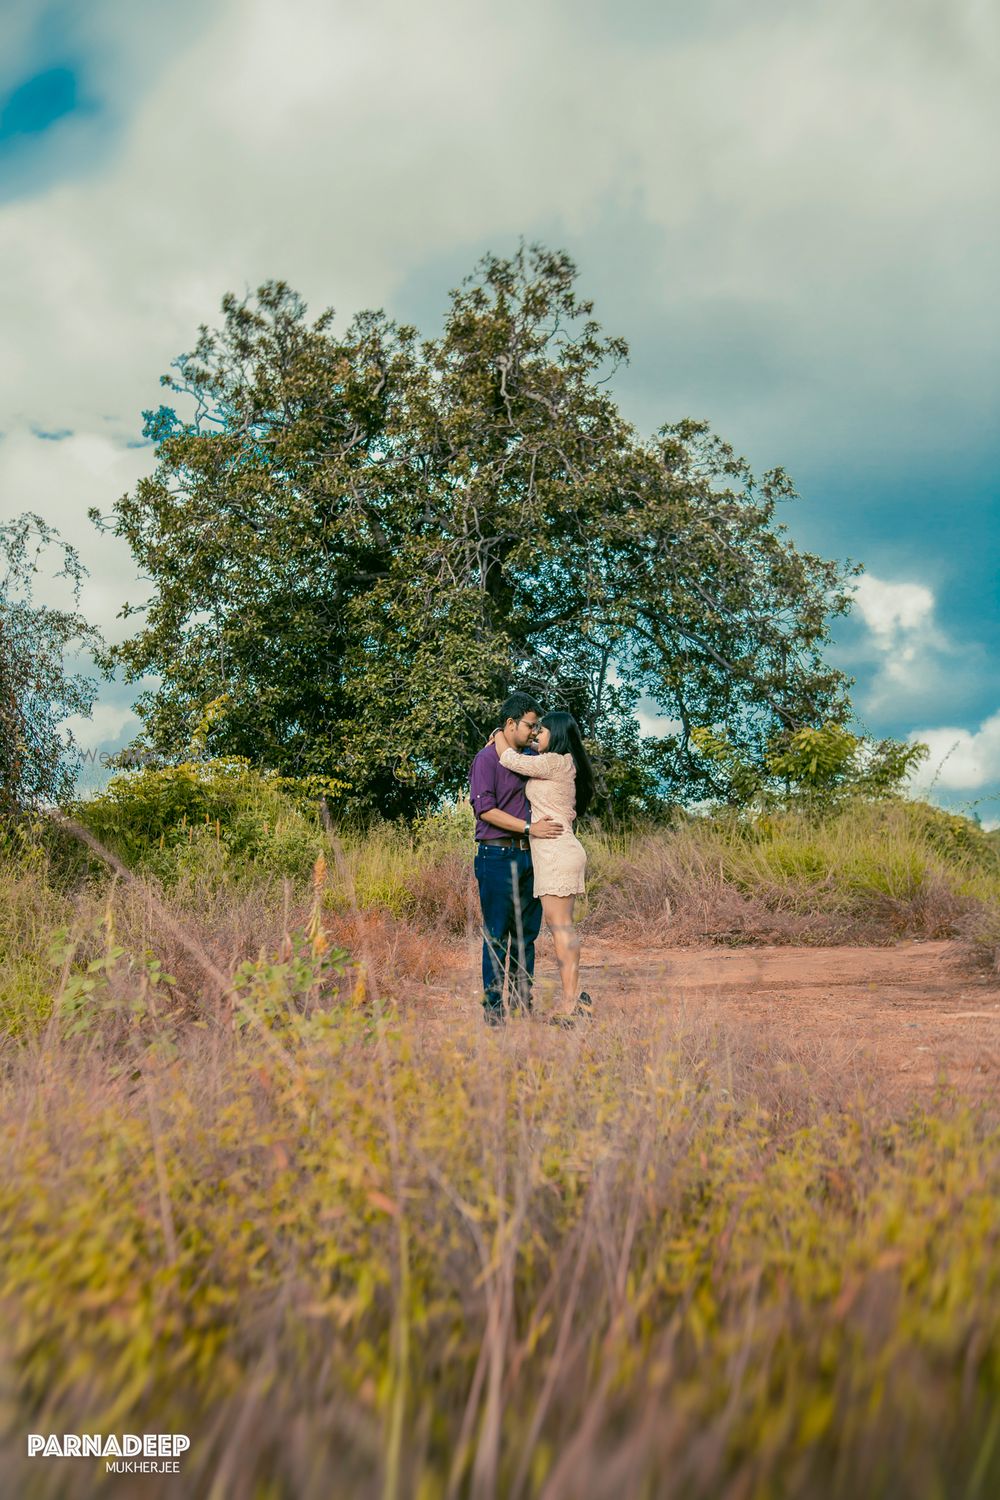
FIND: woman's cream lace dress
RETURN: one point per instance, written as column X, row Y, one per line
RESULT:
column 559, row 864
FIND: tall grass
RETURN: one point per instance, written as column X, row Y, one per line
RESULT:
column 872, row 872
column 353, row 1256
column 31, row 912
column 873, row 868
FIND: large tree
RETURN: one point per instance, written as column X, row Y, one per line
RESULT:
column 359, row 542
column 38, row 759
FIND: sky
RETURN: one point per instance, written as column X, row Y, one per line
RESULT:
column 789, row 210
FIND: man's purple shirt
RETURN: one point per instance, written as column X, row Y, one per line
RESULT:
column 492, row 785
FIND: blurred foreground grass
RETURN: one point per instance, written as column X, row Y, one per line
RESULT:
column 355, row 1254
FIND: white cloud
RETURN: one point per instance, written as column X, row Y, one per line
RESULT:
column 960, row 759
column 59, row 480
column 114, row 51
column 906, row 641
column 108, row 723
column 825, row 170
column 332, row 146
column 893, row 611
column 657, row 724
column 912, row 664
column 111, row 727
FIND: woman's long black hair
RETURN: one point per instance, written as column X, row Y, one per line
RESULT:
column 565, row 739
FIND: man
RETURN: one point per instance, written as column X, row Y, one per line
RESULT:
column 512, row 914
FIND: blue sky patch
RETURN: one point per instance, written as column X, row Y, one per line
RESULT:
column 37, row 103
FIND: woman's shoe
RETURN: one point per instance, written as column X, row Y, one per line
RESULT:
column 583, row 1009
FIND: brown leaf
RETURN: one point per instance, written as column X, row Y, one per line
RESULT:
column 379, row 1200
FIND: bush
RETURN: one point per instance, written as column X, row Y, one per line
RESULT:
column 220, row 817
column 812, row 769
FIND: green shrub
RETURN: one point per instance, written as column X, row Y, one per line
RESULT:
column 221, row 818
column 812, row 768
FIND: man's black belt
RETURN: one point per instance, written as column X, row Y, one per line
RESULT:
column 516, row 841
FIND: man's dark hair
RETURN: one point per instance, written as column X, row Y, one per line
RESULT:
column 516, row 706
column 565, row 739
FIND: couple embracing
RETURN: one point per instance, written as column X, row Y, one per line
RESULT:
column 527, row 786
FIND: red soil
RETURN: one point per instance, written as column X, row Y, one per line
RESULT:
column 914, row 1011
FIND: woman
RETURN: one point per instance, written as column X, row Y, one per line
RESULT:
column 560, row 785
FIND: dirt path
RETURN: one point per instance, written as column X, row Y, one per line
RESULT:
column 914, row 1010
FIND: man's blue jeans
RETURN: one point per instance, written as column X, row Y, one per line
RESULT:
column 512, row 919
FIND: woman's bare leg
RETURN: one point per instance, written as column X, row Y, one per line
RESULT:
column 558, row 912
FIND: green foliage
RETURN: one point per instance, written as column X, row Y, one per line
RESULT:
column 358, row 543
column 210, row 815
column 741, row 780
column 955, row 838
column 819, row 768
column 281, row 993
column 636, row 777
column 38, row 764
column 88, row 993
column 830, row 762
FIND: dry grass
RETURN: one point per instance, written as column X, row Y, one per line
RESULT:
column 350, row 1256
column 871, row 874
column 390, row 949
